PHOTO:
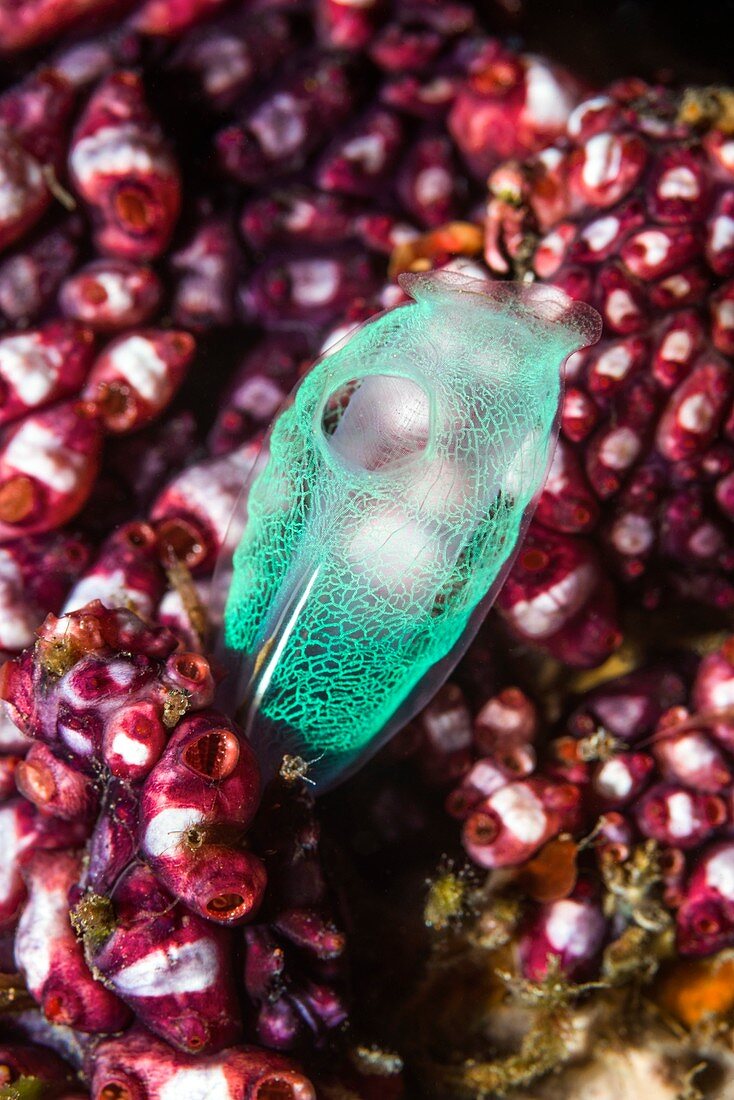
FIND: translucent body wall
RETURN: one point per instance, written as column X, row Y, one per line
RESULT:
column 394, row 494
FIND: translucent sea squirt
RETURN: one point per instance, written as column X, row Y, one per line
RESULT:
column 392, row 497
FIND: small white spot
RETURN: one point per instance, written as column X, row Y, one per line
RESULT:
column 678, row 183
column 588, row 107
column 521, row 813
column 432, row 185
column 548, row 103
column 613, row 780
column 13, row 842
column 614, row 362
column 655, row 246
column 722, row 233
column 45, row 916
column 129, row 749
column 554, row 242
column 29, row 367
column 206, row 1083
column 705, row 541
column 620, row 449
column 314, row 282
column 113, row 589
column 279, row 126
column 601, row 232
column 724, row 312
column 21, row 184
column 137, row 361
column 722, row 694
column 574, row 405
column 696, row 413
column 677, row 285
column 117, row 151
column 259, row 396
column 227, row 64
column 75, row 740
column 166, row 829
column 338, row 337
column 678, row 345
column 621, row 714
column 18, row 621
column 39, row 452
column 486, row 777
column 681, row 819
column 550, row 158
column 720, row 872
column 299, row 216
column 546, row 613
column 368, row 150
column 690, row 754
column 573, row 928
column 602, row 160
column 620, row 305
column 633, row 534
column 119, row 299
column 494, row 713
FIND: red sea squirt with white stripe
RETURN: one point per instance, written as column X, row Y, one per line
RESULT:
column 48, row 464
column 139, row 1065
column 136, row 376
column 49, row 955
column 121, row 167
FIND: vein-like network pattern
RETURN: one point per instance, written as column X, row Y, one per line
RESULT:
column 394, row 494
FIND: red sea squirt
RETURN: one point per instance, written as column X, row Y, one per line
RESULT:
column 121, row 167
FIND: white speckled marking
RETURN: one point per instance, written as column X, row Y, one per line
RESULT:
column 39, row 452
column 547, row 101
column 112, row 589
column 720, row 872
column 677, row 346
column 681, row 820
column 696, row 413
column 44, row 915
column 132, row 751
column 633, row 534
column 722, row 233
column 614, row 362
column 432, row 185
column 571, row 928
column 620, row 305
column 279, row 126
column 589, row 106
column 138, row 362
column 168, row 971
column 521, row 813
column 601, row 232
column 613, row 780
column 29, row 367
column 207, row 1083
column 620, row 449
column 545, row 613
column 602, row 160
column 678, row 183
column 315, row 282
column 164, row 831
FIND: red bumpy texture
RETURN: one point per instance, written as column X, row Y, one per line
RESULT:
column 631, row 211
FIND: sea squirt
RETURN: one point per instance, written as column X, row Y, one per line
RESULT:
column 393, row 495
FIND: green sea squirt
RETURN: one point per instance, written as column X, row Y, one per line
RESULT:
column 388, row 507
